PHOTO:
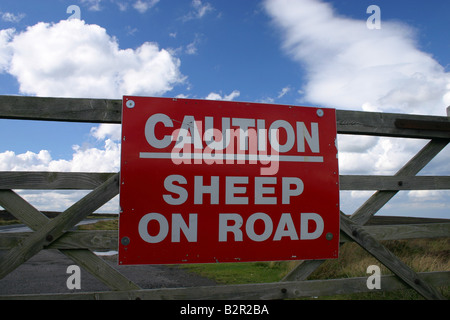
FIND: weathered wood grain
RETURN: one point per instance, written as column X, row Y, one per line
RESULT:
column 260, row 291
column 95, row 240
column 384, row 124
column 52, row 180
column 365, row 182
column 382, row 254
column 61, row 109
column 56, row 227
column 80, row 253
column 109, row 111
column 105, row 240
column 89, row 181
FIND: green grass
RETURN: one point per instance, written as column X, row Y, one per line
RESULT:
column 422, row 255
column 239, row 273
column 107, row 224
column 9, row 222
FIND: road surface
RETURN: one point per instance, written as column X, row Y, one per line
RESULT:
column 46, row 272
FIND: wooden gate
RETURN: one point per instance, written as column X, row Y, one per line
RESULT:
column 79, row 245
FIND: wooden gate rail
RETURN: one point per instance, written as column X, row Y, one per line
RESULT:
column 110, row 111
column 257, row 291
column 106, row 240
column 88, row 180
column 79, row 245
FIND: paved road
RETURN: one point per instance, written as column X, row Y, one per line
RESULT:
column 46, row 273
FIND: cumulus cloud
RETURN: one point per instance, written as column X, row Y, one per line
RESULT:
column 107, row 131
column 75, row 59
column 106, row 159
column 349, row 66
column 9, row 161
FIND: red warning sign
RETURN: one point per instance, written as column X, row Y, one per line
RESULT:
column 214, row 181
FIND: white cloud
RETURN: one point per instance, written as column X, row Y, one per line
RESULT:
column 93, row 5
column 143, row 5
column 199, row 10
column 11, row 17
column 229, row 97
column 106, row 159
column 191, row 48
column 283, row 92
column 31, row 161
column 107, row 131
column 74, row 59
column 349, row 65
column 91, row 159
column 5, row 53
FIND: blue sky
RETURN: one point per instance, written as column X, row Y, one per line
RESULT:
column 300, row 52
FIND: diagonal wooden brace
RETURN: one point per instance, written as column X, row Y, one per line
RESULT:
column 382, row 254
column 49, row 230
column 375, row 203
column 413, row 167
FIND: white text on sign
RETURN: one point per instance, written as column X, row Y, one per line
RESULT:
column 253, row 140
column 231, row 227
column 264, row 193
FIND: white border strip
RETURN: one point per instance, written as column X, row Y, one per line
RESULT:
column 250, row 157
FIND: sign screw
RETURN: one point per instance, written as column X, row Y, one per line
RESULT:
column 130, row 104
column 329, row 236
column 125, row 241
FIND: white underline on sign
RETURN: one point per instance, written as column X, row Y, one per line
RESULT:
column 250, row 157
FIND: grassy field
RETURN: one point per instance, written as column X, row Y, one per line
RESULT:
column 422, row 255
column 106, row 224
